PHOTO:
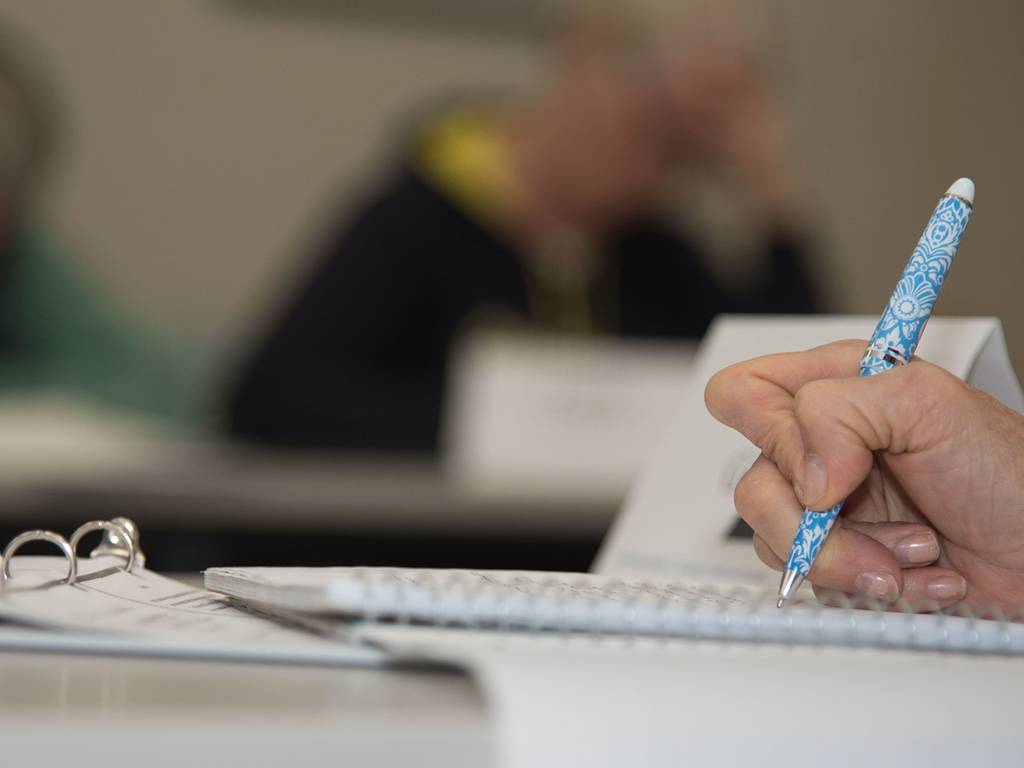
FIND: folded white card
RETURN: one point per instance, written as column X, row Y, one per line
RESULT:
column 677, row 517
column 559, row 417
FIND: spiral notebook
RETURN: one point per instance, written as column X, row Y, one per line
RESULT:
column 521, row 601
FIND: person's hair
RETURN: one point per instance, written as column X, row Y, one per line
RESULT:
column 29, row 121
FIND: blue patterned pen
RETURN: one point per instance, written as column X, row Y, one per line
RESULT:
column 893, row 344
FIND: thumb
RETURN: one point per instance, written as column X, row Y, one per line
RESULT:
column 843, row 421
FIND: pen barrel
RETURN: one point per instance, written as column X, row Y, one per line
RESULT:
column 810, row 536
column 900, row 327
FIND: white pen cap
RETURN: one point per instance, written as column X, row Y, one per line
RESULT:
column 963, row 188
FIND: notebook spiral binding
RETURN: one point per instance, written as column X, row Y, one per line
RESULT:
column 629, row 611
column 120, row 539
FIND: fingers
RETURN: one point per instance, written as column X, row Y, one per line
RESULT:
column 850, row 561
column 766, row 555
column 756, row 397
column 819, row 422
column 729, row 392
column 912, row 544
column 916, row 548
column 924, row 589
column 818, row 426
column 843, row 421
column 882, row 560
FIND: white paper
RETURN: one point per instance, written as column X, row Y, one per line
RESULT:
column 144, row 613
column 677, row 516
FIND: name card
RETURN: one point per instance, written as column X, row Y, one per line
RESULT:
column 559, row 417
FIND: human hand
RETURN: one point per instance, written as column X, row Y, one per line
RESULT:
column 932, row 471
column 723, row 112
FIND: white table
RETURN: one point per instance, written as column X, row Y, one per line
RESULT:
column 88, row 710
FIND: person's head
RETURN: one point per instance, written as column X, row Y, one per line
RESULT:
column 27, row 128
column 626, row 106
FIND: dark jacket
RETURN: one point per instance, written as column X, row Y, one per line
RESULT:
column 357, row 360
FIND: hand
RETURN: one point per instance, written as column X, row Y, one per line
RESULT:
column 931, row 468
column 723, row 112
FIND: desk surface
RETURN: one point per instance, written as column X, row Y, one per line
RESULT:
column 189, row 713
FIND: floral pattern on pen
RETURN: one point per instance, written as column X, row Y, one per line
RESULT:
column 813, row 530
column 900, row 327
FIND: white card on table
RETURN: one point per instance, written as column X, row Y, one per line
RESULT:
column 559, row 416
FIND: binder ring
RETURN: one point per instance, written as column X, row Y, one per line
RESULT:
column 117, row 543
column 24, row 538
column 110, row 527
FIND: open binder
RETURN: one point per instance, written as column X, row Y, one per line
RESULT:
column 109, row 603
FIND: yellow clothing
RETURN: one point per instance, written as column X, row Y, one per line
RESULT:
column 464, row 155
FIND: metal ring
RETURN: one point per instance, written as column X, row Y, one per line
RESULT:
column 116, row 543
column 889, row 355
column 111, row 527
column 53, row 538
column 963, row 200
column 894, row 357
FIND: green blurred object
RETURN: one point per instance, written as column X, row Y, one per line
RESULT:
column 60, row 333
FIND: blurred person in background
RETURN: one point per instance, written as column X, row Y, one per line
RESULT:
column 544, row 209
column 58, row 333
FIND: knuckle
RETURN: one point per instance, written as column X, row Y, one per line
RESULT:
column 946, row 386
column 918, row 375
column 924, row 377
column 813, row 398
column 933, row 390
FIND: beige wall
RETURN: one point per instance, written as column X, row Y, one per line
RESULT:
column 891, row 101
column 208, row 141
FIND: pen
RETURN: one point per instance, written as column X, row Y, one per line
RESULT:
column 892, row 345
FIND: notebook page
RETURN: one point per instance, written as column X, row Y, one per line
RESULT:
column 443, row 595
column 143, row 612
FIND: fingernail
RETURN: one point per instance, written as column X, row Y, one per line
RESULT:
column 916, row 549
column 880, row 586
column 814, row 481
column 947, row 588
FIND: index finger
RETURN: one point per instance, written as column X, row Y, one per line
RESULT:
column 755, row 397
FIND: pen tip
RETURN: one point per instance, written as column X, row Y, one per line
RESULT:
column 782, row 602
column 962, row 188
